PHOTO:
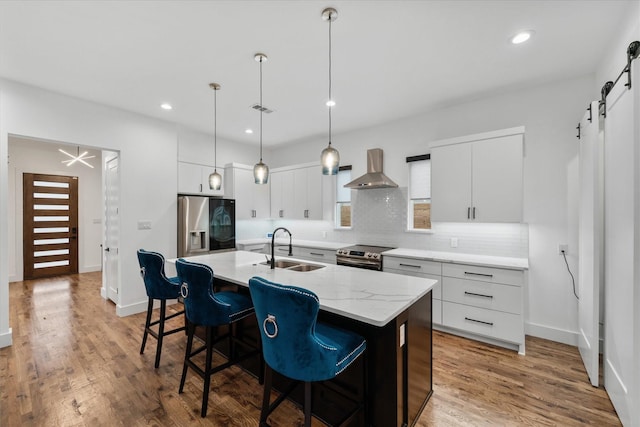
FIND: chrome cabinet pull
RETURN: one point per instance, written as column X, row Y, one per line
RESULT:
column 473, row 294
column 474, row 212
column 468, row 212
column 316, row 253
column 470, row 273
column 409, row 265
column 201, row 188
column 478, row 321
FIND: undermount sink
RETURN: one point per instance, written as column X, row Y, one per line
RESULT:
column 294, row 265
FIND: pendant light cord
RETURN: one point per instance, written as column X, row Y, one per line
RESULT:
column 215, row 129
column 330, row 99
column 261, row 110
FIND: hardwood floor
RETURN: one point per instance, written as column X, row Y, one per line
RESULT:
column 75, row 363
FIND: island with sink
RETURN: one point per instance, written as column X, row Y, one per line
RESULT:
column 393, row 312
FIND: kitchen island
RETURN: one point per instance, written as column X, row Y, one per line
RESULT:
column 393, row 312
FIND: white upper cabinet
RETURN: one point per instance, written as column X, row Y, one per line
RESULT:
column 193, row 178
column 296, row 193
column 252, row 200
column 282, row 187
column 307, row 193
column 478, row 178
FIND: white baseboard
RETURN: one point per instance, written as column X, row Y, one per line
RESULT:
column 552, row 334
column 6, row 338
column 103, row 292
column 90, row 268
column 128, row 310
column 139, row 307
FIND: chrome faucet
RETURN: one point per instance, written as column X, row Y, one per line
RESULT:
column 273, row 238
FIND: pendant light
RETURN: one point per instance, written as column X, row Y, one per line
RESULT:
column 215, row 179
column 260, row 170
column 330, row 158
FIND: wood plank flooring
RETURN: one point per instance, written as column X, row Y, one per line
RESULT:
column 75, row 363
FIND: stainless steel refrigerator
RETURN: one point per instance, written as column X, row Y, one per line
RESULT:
column 205, row 224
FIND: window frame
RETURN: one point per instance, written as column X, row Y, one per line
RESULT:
column 411, row 202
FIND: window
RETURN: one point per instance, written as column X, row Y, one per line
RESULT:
column 419, row 212
column 343, row 198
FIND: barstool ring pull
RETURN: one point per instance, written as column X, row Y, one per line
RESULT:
column 184, row 290
column 270, row 319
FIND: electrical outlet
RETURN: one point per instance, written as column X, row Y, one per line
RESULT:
column 324, row 234
column 563, row 247
column 454, row 242
column 144, row 225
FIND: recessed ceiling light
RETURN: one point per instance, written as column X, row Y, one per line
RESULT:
column 331, row 103
column 166, row 106
column 522, row 37
column 248, row 131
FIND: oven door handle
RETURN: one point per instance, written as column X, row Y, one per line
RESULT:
column 356, row 262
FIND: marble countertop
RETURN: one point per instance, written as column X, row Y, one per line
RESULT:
column 315, row 244
column 461, row 258
column 373, row 297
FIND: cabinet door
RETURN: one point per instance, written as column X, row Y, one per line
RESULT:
column 189, row 178
column 314, row 192
column 282, row 194
column 243, row 193
column 300, row 193
column 497, row 179
column 451, row 183
column 260, row 199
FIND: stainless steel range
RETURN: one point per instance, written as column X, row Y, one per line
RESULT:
column 361, row 256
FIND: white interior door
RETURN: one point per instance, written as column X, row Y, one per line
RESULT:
column 621, row 248
column 112, row 231
column 590, row 241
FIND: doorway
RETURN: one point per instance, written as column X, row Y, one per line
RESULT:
column 50, row 225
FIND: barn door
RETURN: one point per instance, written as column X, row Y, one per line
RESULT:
column 590, row 242
column 50, row 225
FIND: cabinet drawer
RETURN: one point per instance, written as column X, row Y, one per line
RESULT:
column 437, row 288
column 412, row 265
column 320, row 255
column 493, row 296
column 259, row 248
column 484, row 274
column 494, row 324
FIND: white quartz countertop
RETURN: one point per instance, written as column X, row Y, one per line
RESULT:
column 373, row 297
column 315, row 244
column 461, row 258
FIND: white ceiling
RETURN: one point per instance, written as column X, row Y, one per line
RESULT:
column 391, row 59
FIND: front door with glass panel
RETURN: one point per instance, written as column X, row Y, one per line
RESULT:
column 50, row 225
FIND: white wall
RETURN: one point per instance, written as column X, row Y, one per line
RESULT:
column 148, row 151
column 27, row 155
column 549, row 113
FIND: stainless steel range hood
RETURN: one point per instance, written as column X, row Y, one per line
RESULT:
column 374, row 178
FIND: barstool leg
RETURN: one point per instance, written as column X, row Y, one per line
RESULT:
column 163, row 311
column 307, row 404
column 146, row 325
column 266, row 397
column 207, row 371
column 187, row 354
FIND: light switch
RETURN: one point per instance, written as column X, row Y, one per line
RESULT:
column 144, row 225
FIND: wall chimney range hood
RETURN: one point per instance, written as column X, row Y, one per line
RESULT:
column 374, row 178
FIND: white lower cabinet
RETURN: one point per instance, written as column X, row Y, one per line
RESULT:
column 419, row 268
column 484, row 301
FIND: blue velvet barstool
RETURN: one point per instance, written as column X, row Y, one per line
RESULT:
column 210, row 309
column 159, row 287
column 299, row 347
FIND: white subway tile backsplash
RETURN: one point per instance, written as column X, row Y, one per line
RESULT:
column 379, row 217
